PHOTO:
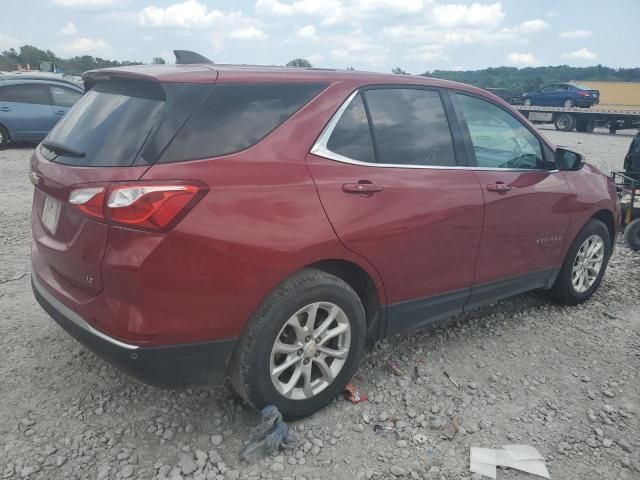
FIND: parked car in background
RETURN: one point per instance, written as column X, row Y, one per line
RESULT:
column 566, row 95
column 196, row 221
column 32, row 103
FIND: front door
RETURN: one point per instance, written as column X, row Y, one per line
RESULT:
column 526, row 201
column 26, row 110
column 396, row 200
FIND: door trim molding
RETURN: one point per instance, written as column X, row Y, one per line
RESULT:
column 423, row 311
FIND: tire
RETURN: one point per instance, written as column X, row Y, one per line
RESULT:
column 564, row 122
column 254, row 359
column 528, row 102
column 632, row 234
column 569, row 103
column 4, row 137
column 564, row 289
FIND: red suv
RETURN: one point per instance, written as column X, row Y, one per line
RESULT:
column 196, row 221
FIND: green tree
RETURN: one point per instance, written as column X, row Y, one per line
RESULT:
column 158, row 61
column 299, row 62
column 399, row 71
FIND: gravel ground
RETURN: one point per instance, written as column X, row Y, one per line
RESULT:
column 564, row 380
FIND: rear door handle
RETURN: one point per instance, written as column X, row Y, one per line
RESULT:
column 61, row 112
column 499, row 187
column 361, row 187
column 5, row 109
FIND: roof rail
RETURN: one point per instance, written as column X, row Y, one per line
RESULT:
column 189, row 57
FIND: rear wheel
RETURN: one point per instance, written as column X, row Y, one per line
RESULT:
column 564, row 122
column 584, row 265
column 302, row 346
column 632, row 234
column 528, row 102
column 569, row 103
column 4, row 137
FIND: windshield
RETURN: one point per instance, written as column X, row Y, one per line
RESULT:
column 108, row 125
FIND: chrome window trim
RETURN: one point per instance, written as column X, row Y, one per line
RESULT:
column 320, row 149
column 74, row 317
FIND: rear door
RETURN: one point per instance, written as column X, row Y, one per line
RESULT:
column 99, row 140
column 388, row 178
column 26, row 110
column 526, row 213
column 62, row 99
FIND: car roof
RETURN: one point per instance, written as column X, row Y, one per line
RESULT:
column 222, row 73
column 38, row 77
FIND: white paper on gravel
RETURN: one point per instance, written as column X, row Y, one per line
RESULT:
column 520, row 457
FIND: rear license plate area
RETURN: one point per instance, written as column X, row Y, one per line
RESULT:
column 51, row 214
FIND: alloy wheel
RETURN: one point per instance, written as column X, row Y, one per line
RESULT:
column 587, row 264
column 310, row 350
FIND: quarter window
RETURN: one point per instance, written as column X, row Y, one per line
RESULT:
column 410, row 127
column 499, row 139
column 24, row 93
column 351, row 137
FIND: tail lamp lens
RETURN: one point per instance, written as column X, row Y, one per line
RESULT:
column 89, row 201
column 146, row 206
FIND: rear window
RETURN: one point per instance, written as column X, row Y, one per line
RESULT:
column 109, row 124
column 236, row 117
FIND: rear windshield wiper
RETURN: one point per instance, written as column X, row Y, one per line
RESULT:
column 62, row 149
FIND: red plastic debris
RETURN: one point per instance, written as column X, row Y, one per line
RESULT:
column 353, row 393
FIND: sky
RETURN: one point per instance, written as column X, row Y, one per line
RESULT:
column 376, row 35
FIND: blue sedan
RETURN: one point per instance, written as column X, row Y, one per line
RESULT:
column 31, row 104
column 566, row 95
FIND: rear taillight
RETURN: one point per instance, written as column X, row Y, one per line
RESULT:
column 148, row 206
column 584, row 94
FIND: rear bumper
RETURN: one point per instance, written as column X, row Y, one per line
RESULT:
column 169, row 366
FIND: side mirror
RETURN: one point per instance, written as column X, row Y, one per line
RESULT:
column 566, row 160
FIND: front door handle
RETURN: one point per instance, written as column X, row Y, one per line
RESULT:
column 5, row 109
column 61, row 112
column 499, row 187
column 361, row 187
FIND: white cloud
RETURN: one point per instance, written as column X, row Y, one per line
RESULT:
column 526, row 59
column 69, row 29
column 575, row 34
column 474, row 15
column 298, row 7
column 89, row 4
column 389, row 6
column 85, row 46
column 315, row 58
column 190, row 14
column 533, row 26
column 582, row 54
column 427, row 53
column 248, row 33
column 306, row 32
column 7, row 42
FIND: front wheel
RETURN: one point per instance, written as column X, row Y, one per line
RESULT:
column 584, row 265
column 302, row 346
column 528, row 102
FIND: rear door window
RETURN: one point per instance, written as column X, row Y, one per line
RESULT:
column 25, row 93
column 109, row 124
column 64, row 97
column 235, row 117
column 410, row 127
